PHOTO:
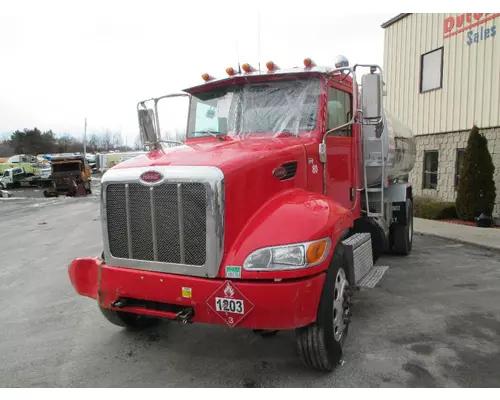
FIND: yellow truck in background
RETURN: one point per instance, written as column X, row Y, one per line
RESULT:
column 70, row 175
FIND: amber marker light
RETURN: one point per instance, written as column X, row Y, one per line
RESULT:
column 308, row 63
column 247, row 67
column 206, row 77
column 230, row 71
column 271, row 66
column 316, row 251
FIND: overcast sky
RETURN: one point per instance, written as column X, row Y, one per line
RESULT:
column 62, row 61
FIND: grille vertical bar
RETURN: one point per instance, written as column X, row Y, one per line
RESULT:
column 181, row 224
column 153, row 223
column 129, row 228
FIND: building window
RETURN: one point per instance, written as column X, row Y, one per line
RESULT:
column 458, row 166
column 339, row 111
column 431, row 70
column 431, row 161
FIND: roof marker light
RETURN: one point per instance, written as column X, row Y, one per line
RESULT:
column 247, row 68
column 230, row 71
column 206, row 77
column 308, row 63
column 271, row 66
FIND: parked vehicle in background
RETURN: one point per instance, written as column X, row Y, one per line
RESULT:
column 18, row 177
column 28, row 162
column 70, row 175
column 105, row 161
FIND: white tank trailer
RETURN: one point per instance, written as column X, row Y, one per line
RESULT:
column 398, row 147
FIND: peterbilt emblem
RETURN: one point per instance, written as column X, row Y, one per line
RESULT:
column 151, row 177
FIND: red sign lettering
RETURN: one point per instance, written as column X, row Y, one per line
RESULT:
column 454, row 25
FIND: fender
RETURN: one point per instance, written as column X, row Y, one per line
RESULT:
column 292, row 216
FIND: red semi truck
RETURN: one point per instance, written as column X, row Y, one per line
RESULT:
column 288, row 187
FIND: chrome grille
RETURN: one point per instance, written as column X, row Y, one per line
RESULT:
column 166, row 223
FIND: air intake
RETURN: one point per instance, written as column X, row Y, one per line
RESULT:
column 291, row 170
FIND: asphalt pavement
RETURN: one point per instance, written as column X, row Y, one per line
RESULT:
column 432, row 321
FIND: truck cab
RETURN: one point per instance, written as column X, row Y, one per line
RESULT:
column 12, row 177
column 68, row 172
column 265, row 217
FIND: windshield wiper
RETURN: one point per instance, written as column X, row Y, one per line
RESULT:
column 215, row 134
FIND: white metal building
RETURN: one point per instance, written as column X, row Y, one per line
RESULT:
column 442, row 75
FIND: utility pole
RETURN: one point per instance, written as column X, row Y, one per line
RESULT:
column 85, row 139
column 258, row 38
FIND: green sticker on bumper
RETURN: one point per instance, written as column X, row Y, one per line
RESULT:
column 233, row 272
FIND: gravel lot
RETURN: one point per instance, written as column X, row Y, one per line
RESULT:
column 433, row 320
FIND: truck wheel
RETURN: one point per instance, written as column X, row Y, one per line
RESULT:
column 320, row 344
column 129, row 320
column 402, row 235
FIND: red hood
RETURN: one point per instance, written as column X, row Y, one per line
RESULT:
column 227, row 155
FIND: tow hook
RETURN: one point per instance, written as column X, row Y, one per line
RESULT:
column 120, row 303
column 185, row 315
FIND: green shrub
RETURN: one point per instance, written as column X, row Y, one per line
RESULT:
column 429, row 208
column 476, row 190
column 418, row 202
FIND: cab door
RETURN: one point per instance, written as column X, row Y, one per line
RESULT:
column 340, row 163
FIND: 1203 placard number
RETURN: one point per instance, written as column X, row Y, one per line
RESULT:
column 229, row 305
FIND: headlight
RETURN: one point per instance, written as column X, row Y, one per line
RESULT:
column 291, row 256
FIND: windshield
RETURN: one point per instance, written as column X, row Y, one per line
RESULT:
column 271, row 108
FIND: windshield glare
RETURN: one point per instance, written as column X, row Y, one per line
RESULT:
column 270, row 108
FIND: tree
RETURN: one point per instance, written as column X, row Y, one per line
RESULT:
column 64, row 143
column 32, row 141
column 476, row 190
column 116, row 140
column 5, row 149
column 106, row 140
column 138, row 143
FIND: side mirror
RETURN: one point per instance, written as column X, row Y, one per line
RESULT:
column 147, row 126
column 371, row 100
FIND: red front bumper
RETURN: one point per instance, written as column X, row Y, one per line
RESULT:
column 276, row 305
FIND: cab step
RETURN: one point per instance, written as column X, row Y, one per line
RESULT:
column 373, row 277
column 359, row 259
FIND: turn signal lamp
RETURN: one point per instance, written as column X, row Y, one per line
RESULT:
column 308, row 63
column 316, row 251
column 271, row 66
column 247, row 68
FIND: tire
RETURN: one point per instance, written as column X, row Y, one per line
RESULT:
column 320, row 344
column 129, row 320
column 402, row 235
